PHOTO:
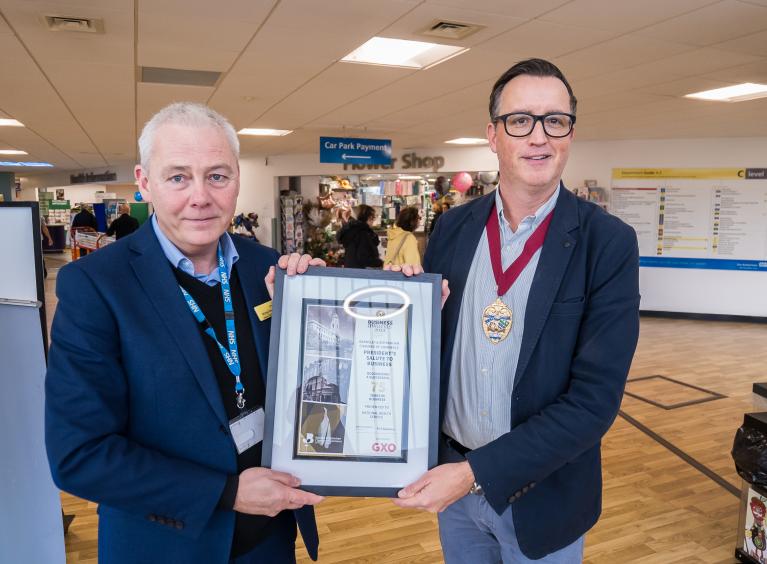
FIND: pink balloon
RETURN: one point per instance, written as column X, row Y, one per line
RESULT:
column 461, row 181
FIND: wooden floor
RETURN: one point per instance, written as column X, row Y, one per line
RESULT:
column 657, row 507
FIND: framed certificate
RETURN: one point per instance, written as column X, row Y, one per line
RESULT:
column 353, row 388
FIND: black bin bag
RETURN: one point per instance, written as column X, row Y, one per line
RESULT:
column 749, row 449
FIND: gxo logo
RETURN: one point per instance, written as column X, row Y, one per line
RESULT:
column 384, row 447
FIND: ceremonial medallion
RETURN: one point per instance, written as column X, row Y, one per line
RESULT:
column 496, row 321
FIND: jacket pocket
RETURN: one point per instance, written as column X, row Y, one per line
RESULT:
column 570, row 307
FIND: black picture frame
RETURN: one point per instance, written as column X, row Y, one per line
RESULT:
column 352, row 475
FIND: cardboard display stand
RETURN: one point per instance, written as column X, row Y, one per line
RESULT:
column 30, row 512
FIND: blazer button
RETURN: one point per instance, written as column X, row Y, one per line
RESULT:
column 162, row 520
column 532, row 485
column 512, row 499
column 179, row 525
column 518, row 495
column 525, row 489
column 152, row 517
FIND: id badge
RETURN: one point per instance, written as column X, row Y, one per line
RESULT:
column 247, row 429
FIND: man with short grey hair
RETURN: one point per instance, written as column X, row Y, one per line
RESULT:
column 124, row 224
column 155, row 398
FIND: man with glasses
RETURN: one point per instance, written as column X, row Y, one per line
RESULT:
column 538, row 336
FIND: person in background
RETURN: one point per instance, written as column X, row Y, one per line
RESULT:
column 123, row 225
column 537, row 340
column 360, row 241
column 49, row 240
column 442, row 186
column 402, row 247
column 440, row 207
column 85, row 218
column 154, row 403
column 45, row 231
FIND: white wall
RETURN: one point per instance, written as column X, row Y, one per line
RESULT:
column 720, row 292
column 87, row 192
column 596, row 159
column 61, row 178
column 82, row 192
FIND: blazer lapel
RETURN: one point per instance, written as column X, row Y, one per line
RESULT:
column 555, row 257
column 466, row 239
column 254, row 291
column 156, row 277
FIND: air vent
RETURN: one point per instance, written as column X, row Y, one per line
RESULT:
column 81, row 25
column 159, row 75
column 451, row 30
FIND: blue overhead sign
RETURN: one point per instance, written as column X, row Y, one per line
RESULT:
column 350, row 150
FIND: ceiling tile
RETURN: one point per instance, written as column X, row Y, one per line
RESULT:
column 546, row 40
column 712, row 24
column 339, row 85
column 621, row 16
column 749, row 72
column 517, row 8
column 752, row 44
column 617, row 54
column 703, row 61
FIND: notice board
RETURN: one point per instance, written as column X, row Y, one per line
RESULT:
column 702, row 237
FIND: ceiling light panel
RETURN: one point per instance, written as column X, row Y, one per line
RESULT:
column 736, row 93
column 468, row 141
column 390, row 52
column 8, row 122
column 265, row 132
column 24, row 163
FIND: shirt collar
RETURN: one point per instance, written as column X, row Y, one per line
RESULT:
column 182, row 262
column 533, row 220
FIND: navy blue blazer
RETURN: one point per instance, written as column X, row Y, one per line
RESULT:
column 581, row 330
column 134, row 417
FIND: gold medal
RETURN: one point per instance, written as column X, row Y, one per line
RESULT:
column 496, row 321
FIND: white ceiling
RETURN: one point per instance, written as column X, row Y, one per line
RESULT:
column 629, row 62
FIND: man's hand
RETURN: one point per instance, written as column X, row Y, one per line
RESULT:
column 262, row 491
column 414, row 270
column 438, row 488
column 294, row 264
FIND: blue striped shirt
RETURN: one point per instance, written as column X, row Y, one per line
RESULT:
column 482, row 374
column 182, row 262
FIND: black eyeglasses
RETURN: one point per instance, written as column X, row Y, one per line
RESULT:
column 521, row 124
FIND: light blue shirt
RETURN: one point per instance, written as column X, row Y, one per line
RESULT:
column 478, row 407
column 180, row 261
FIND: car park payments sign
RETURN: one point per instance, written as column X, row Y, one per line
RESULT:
column 349, row 150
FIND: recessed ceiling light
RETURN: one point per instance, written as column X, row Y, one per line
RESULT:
column 468, row 141
column 23, row 163
column 10, row 122
column 12, row 152
column 266, row 132
column 402, row 53
column 736, row 93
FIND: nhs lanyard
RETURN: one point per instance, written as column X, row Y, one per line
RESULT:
column 231, row 357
